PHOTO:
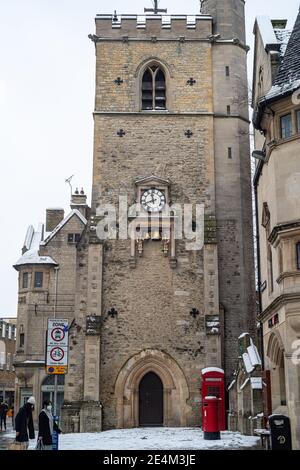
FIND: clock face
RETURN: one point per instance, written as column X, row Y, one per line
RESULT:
column 153, row 200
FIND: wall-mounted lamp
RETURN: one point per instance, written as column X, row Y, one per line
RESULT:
column 259, row 155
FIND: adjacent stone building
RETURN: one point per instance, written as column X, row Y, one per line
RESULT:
column 47, row 286
column 276, row 103
column 146, row 311
column 7, row 355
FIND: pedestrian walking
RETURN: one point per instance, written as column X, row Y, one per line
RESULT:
column 24, row 423
column 46, row 427
column 3, row 413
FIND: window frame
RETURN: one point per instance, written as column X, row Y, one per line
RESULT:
column 22, row 343
column 159, row 69
column 35, row 279
column 25, row 276
column 74, row 237
column 284, row 137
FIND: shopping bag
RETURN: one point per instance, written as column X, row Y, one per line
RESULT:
column 39, row 445
column 17, row 446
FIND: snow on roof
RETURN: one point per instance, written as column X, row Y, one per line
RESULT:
column 266, row 30
column 283, row 36
column 62, row 223
column 32, row 244
column 33, row 257
column 212, row 369
column 276, row 91
column 28, row 237
column 288, row 77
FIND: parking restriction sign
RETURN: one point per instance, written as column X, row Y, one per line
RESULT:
column 57, row 346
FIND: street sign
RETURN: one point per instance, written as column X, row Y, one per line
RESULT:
column 57, row 346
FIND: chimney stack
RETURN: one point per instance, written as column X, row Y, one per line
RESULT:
column 53, row 218
column 78, row 201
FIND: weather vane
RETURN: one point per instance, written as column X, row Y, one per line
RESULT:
column 155, row 8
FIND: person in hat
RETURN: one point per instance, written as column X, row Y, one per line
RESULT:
column 24, row 422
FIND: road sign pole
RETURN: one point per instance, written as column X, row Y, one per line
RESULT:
column 55, row 396
column 55, row 308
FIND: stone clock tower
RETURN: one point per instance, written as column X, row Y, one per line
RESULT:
column 171, row 129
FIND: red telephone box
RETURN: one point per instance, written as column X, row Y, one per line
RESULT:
column 213, row 384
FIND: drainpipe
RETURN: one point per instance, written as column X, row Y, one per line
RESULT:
column 259, row 274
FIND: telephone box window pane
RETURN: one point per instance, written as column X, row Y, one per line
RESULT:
column 38, row 279
column 286, row 126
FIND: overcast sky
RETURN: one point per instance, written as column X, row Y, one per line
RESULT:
column 46, row 103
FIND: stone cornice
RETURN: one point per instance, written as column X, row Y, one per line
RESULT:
column 224, row 42
column 167, row 113
column 279, row 228
column 286, row 275
column 154, row 113
column 277, row 303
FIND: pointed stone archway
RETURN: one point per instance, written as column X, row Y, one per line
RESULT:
column 276, row 354
column 175, row 389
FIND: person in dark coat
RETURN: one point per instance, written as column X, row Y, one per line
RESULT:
column 47, row 426
column 12, row 409
column 24, row 422
column 3, row 413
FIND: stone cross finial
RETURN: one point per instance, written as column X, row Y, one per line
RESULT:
column 155, row 9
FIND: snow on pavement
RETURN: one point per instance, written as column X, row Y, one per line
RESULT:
column 153, row 438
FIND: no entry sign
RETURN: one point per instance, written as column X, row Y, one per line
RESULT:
column 57, row 346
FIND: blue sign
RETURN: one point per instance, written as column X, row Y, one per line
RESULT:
column 55, row 433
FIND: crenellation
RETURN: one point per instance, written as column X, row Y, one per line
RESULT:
column 164, row 27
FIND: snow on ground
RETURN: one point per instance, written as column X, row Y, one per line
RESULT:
column 153, row 438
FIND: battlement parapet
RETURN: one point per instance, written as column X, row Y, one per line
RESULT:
column 147, row 27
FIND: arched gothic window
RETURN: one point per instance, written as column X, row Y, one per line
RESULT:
column 153, row 89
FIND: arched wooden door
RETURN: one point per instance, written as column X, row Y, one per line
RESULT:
column 151, row 396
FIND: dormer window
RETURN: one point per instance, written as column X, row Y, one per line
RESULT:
column 153, row 89
column 286, row 126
